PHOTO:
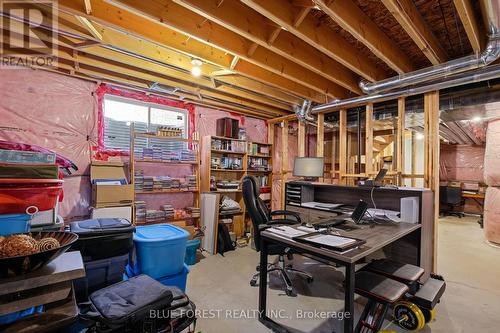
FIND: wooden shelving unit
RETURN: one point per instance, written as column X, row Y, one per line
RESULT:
column 166, row 165
column 216, row 148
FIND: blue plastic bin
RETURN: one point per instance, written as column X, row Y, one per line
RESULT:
column 191, row 248
column 15, row 316
column 159, row 250
column 178, row 280
column 14, row 224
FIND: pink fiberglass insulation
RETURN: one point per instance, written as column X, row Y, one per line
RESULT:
column 206, row 122
column 58, row 113
column 49, row 110
column 492, row 154
column 462, row 163
column 492, row 215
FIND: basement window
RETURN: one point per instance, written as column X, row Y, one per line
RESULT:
column 121, row 112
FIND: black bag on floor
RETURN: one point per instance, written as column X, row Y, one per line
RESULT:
column 224, row 242
column 139, row 305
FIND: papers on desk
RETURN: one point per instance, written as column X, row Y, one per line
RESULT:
column 383, row 214
column 331, row 240
column 288, row 232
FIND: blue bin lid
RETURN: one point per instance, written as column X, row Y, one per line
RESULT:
column 159, row 233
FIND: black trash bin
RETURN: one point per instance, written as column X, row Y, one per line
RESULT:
column 105, row 245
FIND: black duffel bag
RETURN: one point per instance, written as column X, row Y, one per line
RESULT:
column 140, row 305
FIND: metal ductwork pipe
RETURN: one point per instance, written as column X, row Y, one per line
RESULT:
column 304, row 114
column 491, row 10
column 487, row 73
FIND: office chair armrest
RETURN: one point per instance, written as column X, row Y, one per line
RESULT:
column 287, row 212
column 281, row 221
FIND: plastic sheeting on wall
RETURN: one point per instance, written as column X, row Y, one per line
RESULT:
column 492, row 154
column 58, row 113
column 492, row 215
column 49, row 110
column 462, row 163
column 206, row 123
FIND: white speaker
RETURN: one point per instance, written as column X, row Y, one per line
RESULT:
column 409, row 209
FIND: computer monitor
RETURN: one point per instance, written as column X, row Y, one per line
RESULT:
column 380, row 175
column 308, row 167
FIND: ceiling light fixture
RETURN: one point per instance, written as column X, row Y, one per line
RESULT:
column 477, row 119
column 196, row 70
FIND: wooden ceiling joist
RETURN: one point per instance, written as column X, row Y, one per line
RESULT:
column 282, row 12
column 407, row 15
column 112, row 16
column 469, row 21
column 173, row 16
column 265, row 33
column 148, row 73
column 244, row 88
column 352, row 19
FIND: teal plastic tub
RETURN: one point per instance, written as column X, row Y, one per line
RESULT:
column 159, row 250
column 191, row 248
column 14, row 224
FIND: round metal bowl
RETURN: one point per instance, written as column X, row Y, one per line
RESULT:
column 28, row 263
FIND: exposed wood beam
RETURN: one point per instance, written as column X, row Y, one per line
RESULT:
column 301, row 15
column 273, row 35
column 256, row 28
column 301, row 139
column 406, row 13
column 469, row 21
column 320, row 136
column 89, row 26
column 282, row 12
column 88, row 7
column 252, row 49
column 400, row 140
column 284, row 159
column 174, row 16
column 234, row 62
column 155, row 58
column 352, row 19
column 368, row 139
column 112, row 16
column 342, row 146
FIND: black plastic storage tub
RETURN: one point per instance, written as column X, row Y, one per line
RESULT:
column 99, row 274
column 103, row 238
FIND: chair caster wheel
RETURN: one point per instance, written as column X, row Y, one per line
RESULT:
column 409, row 316
column 310, row 279
column 257, row 268
column 289, row 291
column 429, row 315
column 253, row 282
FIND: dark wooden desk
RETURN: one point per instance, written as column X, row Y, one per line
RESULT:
column 376, row 237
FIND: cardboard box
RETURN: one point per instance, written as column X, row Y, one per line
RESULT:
column 124, row 212
column 110, row 195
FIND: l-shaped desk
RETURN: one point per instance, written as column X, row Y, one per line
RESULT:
column 405, row 242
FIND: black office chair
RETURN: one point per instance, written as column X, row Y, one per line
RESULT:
column 262, row 218
column 450, row 197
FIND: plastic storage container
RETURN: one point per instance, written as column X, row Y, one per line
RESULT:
column 14, row 224
column 20, row 195
column 100, row 274
column 103, row 238
column 191, row 248
column 15, row 316
column 159, row 250
column 178, row 280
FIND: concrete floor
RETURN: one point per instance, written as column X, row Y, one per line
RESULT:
column 220, row 288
